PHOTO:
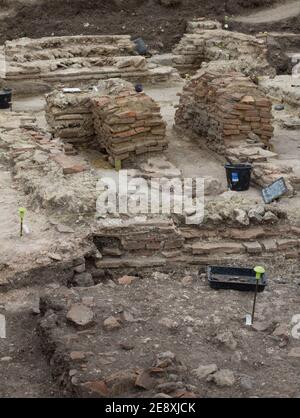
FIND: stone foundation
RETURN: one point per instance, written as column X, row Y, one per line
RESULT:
column 38, row 65
column 232, row 51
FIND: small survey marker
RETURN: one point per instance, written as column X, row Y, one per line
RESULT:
column 274, row 190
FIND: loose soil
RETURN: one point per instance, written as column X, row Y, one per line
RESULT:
column 160, row 26
column 24, row 370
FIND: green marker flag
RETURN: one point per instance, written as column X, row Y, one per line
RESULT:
column 22, row 212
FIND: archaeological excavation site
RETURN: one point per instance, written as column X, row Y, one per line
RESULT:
column 149, row 199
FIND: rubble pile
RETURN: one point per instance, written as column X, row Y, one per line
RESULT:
column 207, row 42
column 98, row 337
column 127, row 122
column 225, row 108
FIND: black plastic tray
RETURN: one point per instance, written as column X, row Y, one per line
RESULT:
column 236, row 278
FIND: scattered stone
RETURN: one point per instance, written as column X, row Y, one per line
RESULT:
column 80, row 315
column 236, row 357
column 168, row 323
column 55, row 256
column 64, row 229
column 35, row 310
column 270, row 217
column 247, row 383
column 295, row 352
column 241, row 217
column 6, row 359
column 121, row 382
column 111, row 323
column 165, row 359
column 83, row 280
column 253, row 137
column 256, row 213
column 88, row 301
column 223, row 377
column 126, row 280
column 282, row 331
column 126, row 346
column 227, row 339
column 262, row 326
column 170, row 387
column 157, row 275
column 187, row 280
column 77, row 355
column 98, row 387
column 144, row 380
column 80, row 268
column 127, row 316
column 203, row 372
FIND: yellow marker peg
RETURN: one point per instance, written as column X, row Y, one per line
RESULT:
column 259, row 270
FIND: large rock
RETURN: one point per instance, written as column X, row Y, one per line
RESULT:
column 223, row 377
column 203, row 372
column 83, row 280
column 241, row 217
column 80, row 315
column 111, row 323
column 295, row 352
column 227, row 339
column 256, row 213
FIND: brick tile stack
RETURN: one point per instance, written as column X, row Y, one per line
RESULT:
column 128, row 123
column 124, row 122
column 225, row 109
column 70, row 117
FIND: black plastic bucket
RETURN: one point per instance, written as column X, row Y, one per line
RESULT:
column 5, row 98
column 238, row 176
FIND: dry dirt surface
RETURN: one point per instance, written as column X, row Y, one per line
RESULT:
column 282, row 16
column 172, row 334
column 160, row 26
column 277, row 13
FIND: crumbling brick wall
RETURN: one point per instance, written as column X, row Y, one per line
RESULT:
column 225, row 109
column 206, row 42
